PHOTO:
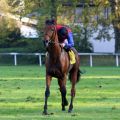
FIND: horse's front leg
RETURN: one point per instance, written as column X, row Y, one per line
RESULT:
column 47, row 93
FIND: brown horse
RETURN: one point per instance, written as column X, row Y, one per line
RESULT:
column 58, row 65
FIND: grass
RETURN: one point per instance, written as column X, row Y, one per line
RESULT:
column 22, row 94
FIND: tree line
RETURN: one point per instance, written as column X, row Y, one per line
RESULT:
column 84, row 23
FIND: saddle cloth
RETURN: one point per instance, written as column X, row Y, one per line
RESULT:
column 72, row 57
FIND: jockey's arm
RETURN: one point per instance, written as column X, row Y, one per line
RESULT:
column 70, row 41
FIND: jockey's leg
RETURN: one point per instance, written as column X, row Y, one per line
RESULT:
column 74, row 50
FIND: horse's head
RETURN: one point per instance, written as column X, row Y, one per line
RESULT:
column 49, row 32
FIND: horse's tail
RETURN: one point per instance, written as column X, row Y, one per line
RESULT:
column 78, row 75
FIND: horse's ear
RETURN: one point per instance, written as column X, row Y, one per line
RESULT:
column 53, row 21
column 50, row 22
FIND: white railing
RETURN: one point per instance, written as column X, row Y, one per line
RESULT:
column 91, row 55
column 25, row 54
column 101, row 54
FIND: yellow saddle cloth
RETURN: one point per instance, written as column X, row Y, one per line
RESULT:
column 72, row 57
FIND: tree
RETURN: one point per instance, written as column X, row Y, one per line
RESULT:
column 4, row 6
column 115, row 8
column 17, row 6
column 91, row 16
column 9, row 31
column 64, row 13
column 102, row 22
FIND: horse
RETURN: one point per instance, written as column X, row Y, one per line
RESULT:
column 58, row 65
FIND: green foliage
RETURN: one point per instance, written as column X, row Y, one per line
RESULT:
column 115, row 9
column 25, row 45
column 9, row 32
column 91, row 16
column 3, row 29
column 35, row 45
column 4, row 7
column 17, row 6
column 81, row 38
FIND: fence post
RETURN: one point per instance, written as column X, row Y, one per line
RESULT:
column 91, row 62
column 40, row 61
column 15, row 58
column 39, row 56
column 117, row 61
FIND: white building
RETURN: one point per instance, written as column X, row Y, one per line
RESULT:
column 104, row 46
column 28, row 32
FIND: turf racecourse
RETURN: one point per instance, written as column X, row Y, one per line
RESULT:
column 22, row 95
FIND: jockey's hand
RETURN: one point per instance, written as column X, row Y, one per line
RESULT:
column 66, row 41
column 62, row 45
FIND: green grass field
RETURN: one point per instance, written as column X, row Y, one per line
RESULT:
column 22, row 94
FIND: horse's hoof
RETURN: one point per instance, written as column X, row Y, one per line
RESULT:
column 69, row 111
column 45, row 113
column 70, row 108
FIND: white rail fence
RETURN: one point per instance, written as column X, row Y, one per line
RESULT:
column 40, row 55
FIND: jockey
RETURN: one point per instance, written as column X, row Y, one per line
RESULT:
column 65, row 37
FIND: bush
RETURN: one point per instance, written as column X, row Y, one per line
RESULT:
column 24, row 45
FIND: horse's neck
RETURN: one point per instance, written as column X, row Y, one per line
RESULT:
column 55, row 51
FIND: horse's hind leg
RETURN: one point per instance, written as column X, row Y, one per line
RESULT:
column 62, row 84
column 73, row 80
column 47, row 93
